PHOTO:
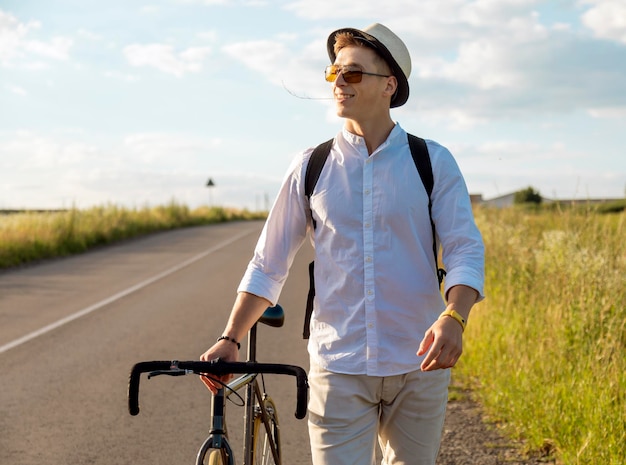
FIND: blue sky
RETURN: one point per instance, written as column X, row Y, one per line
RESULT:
column 139, row 103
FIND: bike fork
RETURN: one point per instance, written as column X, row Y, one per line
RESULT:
column 217, row 435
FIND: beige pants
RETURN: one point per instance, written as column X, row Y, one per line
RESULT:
column 348, row 412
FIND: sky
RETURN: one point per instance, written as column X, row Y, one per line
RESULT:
column 140, row 103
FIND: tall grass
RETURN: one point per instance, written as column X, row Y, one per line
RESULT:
column 546, row 350
column 25, row 237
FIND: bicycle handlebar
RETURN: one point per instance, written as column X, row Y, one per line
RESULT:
column 219, row 367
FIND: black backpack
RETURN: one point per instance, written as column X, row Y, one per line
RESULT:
column 421, row 158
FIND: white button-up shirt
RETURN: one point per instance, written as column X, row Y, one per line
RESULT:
column 376, row 288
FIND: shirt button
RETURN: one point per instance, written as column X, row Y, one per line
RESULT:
column 367, row 192
column 370, row 325
column 370, row 292
column 368, row 259
column 367, row 225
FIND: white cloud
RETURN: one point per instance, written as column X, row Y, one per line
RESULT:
column 28, row 152
column 429, row 17
column 300, row 72
column 16, row 89
column 263, row 56
column 503, row 166
column 473, row 61
column 57, row 48
column 121, row 76
column 484, row 63
column 207, row 2
column 58, row 170
column 166, row 59
column 89, row 35
column 12, row 34
column 16, row 48
column 488, row 63
column 209, row 36
column 167, row 150
column 150, row 9
column 608, row 112
column 607, row 19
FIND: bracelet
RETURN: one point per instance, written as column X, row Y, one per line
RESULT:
column 454, row 314
column 226, row 338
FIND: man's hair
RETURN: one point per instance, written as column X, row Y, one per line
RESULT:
column 347, row 39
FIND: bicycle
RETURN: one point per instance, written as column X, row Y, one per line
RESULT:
column 261, row 443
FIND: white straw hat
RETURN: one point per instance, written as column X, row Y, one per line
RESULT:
column 387, row 45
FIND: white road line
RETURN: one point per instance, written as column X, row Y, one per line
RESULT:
column 119, row 295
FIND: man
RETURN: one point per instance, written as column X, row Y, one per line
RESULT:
column 380, row 347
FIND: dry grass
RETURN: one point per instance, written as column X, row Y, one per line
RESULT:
column 26, row 237
column 545, row 352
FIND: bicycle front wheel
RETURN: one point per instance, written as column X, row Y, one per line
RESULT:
column 265, row 435
column 215, row 458
column 208, row 455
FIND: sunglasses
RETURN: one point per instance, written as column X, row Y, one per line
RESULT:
column 350, row 75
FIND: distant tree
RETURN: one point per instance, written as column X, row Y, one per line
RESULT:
column 528, row 195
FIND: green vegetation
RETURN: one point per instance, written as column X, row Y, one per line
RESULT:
column 546, row 351
column 25, row 237
column 615, row 206
column 528, row 195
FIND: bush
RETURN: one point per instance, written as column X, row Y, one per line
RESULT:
column 613, row 207
column 528, row 195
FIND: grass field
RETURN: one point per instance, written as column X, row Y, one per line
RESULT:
column 546, row 351
column 27, row 237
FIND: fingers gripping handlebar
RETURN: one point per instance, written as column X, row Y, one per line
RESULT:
column 218, row 367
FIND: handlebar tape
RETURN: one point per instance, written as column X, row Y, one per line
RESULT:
column 219, row 367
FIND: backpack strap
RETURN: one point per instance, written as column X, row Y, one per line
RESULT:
column 309, row 302
column 314, row 169
column 421, row 158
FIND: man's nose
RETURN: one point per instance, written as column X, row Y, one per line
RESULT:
column 340, row 76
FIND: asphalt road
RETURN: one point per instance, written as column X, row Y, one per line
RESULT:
column 71, row 329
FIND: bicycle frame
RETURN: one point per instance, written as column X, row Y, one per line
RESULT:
column 253, row 397
column 252, row 390
column 217, row 439
column 273, row 316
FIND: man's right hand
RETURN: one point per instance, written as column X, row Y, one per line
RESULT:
column 246, row 311
column 226, row 351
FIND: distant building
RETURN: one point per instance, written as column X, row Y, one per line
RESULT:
column 508, row 200
column 502, row 201
column 476, row 199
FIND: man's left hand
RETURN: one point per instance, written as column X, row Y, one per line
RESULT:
column 442, row 344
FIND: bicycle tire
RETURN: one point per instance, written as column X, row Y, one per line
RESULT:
column 215, row 458
column 261, row 449
column 209, row 455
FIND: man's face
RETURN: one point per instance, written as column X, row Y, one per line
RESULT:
column 367, row 98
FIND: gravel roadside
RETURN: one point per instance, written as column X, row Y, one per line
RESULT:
column 469, row 440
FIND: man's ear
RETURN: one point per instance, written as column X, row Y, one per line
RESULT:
column 392, row 86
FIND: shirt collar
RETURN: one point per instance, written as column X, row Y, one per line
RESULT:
column 357, row 141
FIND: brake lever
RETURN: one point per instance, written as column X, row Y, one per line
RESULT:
column 176, row 372
column 173, row 371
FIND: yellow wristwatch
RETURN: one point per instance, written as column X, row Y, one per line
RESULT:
column 454, row 314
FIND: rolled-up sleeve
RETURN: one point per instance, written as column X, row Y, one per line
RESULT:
column 282, row 236
column 463, row 247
